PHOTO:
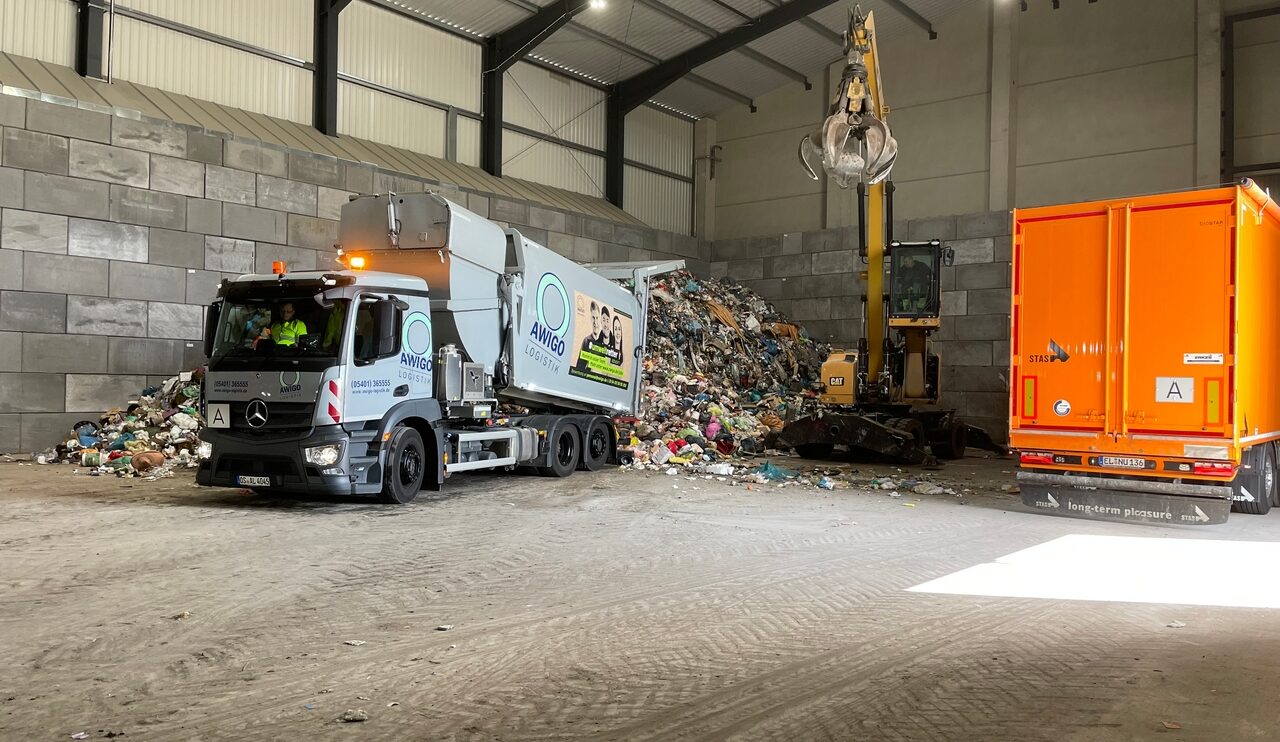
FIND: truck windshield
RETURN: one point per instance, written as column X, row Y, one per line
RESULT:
column 291, row 326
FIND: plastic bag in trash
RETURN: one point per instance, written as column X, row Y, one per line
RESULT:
column 775, row 473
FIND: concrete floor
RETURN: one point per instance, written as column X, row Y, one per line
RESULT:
column 609, row 606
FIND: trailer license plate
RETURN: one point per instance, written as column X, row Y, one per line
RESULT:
column 253, row 481
column 1121, row 462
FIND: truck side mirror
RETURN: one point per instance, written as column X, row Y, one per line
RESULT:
column 387, row 315
column 211, row 327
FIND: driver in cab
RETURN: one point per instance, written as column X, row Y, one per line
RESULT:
column 289, row 328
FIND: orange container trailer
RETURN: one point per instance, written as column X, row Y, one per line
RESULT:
column 1146, row 356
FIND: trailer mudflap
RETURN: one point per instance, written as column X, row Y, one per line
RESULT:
column 1125, row 501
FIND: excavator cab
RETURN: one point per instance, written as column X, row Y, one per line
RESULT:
column 915, row 279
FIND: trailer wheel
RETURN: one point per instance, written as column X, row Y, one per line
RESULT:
column 956, row 439
column 405, row 467
column 1252, row 491
column 1275, row 473
column 595, row 449
column 564, row 452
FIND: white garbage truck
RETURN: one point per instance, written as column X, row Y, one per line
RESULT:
column 447, row 344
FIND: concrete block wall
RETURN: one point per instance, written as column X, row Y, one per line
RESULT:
column 114, row 234
column 813, row 278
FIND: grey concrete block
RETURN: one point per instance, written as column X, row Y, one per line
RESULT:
column 33, row 150
column 228, row 255
column 665, row 244
column 182, row 249
column 596, row 229
column 317, row 169
column 328, row 260
column 204, row 217
column 306, row 231
column 561, row 243
column 786, row 266
column 954, row 303
column 841, row 261
column 699, row 268
column 97, row 392
column 255, row 157
column 68, row 121
column 146, row 356
column 988, row 224
column 173, row 175
column 297, row 258
column 635, row 254
column 764, row 247
column 964, row 353
column 501, row 209
column 31, row 392
column 982, row 327
column 386, row 180
column 329, row 202
column 1003, row 248
column 13, row 110
column 480, row 204
column 630, row 236
column 691, row 247
column 771, row 289
column 286, row 195
column 58, row 194
column 539, row 236
column 973, row 378
column 977, row 250
column 11, row 269
column 586, row 250
column 232, row 186
column 825, row 240
column 614, row 253
column 182, row 321
column 989, row 301
column 42, row 430
column 987, row 405
column 1000, row 353
column 947, row 278
column 193, row 355
column 151, row 135
column 149, row 282
column 846, row 307
column 719, row 269
column 205, row 147
column 11, row 190
column 25, row 311
column 149, row 208
column 746, row 270
column 202, row 286
column 982, row 276
column 792, row 243
column 251, row 223
column 63, row 354
column 358, row 178
column 807, row 310
column 94, row 239
column 116, row 317
column 802, row 287
column 33, row 232
column 11, row 425
column 65, row 274
column 573, row 224
column 724, row 250
column 111, row 164
column 552, row 221
column 936, row 228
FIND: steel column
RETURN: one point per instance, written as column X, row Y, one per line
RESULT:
column 325, row 78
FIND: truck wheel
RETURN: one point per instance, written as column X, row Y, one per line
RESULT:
column 956, row 440
column 815, row 450
column 595, row 449
column 1252, row 491
column 405, row 467
column 564, row 452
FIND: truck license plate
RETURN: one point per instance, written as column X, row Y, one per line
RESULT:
column 253, row 481
column 1122, row 462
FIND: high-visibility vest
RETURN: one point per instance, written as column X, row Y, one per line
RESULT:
column 287, row 333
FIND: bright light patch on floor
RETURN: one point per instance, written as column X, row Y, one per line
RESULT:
column 1126, row 569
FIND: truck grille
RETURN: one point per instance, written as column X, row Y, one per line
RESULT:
column 280, row 416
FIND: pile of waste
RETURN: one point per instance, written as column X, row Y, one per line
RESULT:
column 724, row 369
column 149, row 437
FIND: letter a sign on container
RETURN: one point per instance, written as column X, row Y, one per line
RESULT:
column 1176, row 389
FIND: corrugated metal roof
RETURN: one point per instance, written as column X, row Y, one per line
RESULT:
column 26, row 76
column 474, row 17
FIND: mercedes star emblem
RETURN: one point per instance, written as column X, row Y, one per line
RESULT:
column 256, row 413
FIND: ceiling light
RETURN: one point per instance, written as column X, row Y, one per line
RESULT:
column 598, row 4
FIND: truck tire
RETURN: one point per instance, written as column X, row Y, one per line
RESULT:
column 595, row 449
column 565, row 447
column 955, row 438
column 405, row 467
column 1249, row 490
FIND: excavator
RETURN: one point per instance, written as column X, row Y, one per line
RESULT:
column 884, row 396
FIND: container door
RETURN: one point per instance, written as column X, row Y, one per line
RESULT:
column 1178, row 306
column 1062, row 288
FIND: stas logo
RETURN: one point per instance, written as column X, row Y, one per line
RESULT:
column 553, row 314
column 1056, row 353
column 415, row 345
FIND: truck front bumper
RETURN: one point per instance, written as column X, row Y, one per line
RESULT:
column 1125, row 500
column 279, row 462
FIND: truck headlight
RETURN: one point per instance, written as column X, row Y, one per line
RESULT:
column 324, row 455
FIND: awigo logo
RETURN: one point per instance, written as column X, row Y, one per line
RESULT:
column 289, row 382
column 415, row 342
column 553, row 314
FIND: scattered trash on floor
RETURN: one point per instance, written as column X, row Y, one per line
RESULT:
column 355, row 642
column 80, row 735
column 181, row 616
column 444, row 627
column 1176, row 625
column 393, row 704
column 926, row 488
column 1171, row 725
column 353, row 715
